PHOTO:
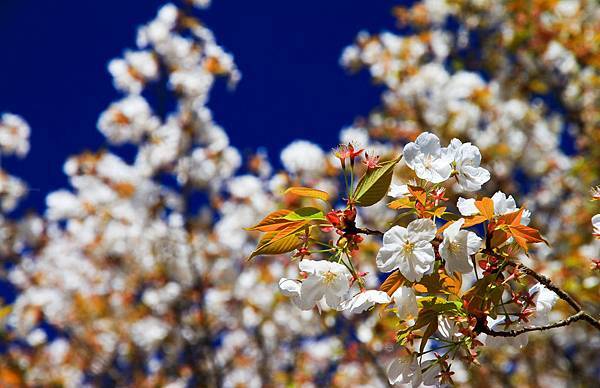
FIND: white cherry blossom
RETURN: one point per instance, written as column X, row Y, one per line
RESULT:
column 14, row 135
column 405, row 370
column 427, row 158
column 406, row 302
column 596, row 224
column 502, row 205
column 398, row 191
column 458, row 246
column 325, row 279
column 465, row 161
column 364, row 301
column 544, row 301
column 302, row 156
column 408, row 249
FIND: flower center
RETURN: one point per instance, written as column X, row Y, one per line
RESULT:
column 454, row 247
column 428, row 162
column 329, row 277
column 408, row 247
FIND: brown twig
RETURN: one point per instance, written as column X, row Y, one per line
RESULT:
column 368, row 231
column 581, row 315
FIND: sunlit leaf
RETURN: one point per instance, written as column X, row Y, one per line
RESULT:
column 308, row 192
column 525, row 234
column 419, row 194
column 269, row 245
column 401, row 203
column 473, row 220
column 274, row 218
column 392, row 283
column 374, row 185
column 486, row 207
column 306, row 213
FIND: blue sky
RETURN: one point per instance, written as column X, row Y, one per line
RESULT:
column 53, row 72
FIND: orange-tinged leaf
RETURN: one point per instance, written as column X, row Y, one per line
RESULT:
column 525, row 234
column 308, row 192
column 392, row 283
column 498, row 238
column 274, row 218
column 290, row 228
column 268, row 245
column 439, row 282
column 418, row 193
column 486, row 207
column 10, row 376
column 438, row 212
column 513, row 218
column 452, row 283
column 444, row 227
column 473, row 220
column 401, row 203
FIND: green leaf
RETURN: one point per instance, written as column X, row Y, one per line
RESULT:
column 374, row 185
column 307, row 214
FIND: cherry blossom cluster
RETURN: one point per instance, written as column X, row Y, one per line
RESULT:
column 452, row 290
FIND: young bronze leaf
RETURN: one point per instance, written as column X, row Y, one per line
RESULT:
column 419, row 194
column 525, row 234
column 392, row 283
column 431, row 328
column 374, row 185
column 274, row 218
column 473, row 220
column 401, row 203
column 486, row 207
column 269, row 245
column 513, row 218
column 308, row 192
column 444, row 227
column 290, row 228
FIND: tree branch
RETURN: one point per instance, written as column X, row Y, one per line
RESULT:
column 551, row 286
column 368, row 231
column 581, row 315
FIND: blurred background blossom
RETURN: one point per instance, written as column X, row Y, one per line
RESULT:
column 132, row 271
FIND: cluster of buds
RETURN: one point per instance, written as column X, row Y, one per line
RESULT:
column 344, row 223
column 490, row 265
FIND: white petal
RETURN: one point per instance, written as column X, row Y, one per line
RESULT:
column 388, row 258
column 311, row 291
column 396, row 235
column 502, row 204
column 406, row 302
column 421, row 260
column 473, row 243
column 364, row 301
column 429, row 143
column 421, row 230
column 289, row 287
column 410, row 154
column 398, row 191
column 467, row 206
column 451, row 232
